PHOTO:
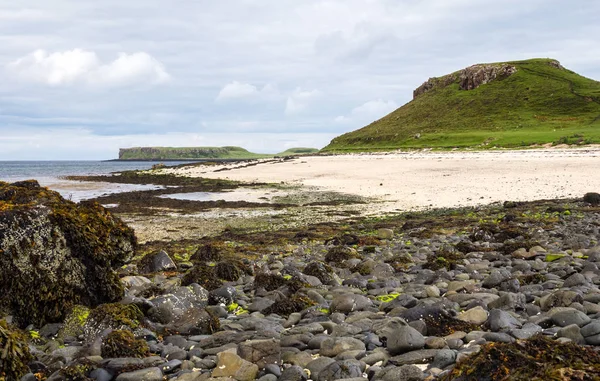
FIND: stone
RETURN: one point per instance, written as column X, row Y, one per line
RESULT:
column 432, row 291
column 231, row 365
column 576, row 279
column 157, row 262
column 293, row 373
column 57, row 254
column 195, row 321
column 570, row 316
column 423, row 356
column 341, row 370
column 260, row 352
column 402, row 373
column 149, row 374
column 477, row 315
column 100, row 375
column 444, row 358
column 500, row 320
column 347, row 303
column 571, row 332
column 333, row 346
column 591, row 329
column 318, row 364
column 560, row 298
column 495, row 278
column 384, row 233
column 135, row 281
column 192, row 376
column 402, row 338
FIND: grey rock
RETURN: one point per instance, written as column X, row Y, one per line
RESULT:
column 444, row 358
column 157, row 262
column 576, row 279
column 498, row 337
column 260, row 352
column 192, row 376
column 500, row 320
column 561, row 298
column 341, row 370
column 402, row 373
column 568, row 317
column 318, row 364
column 495, row 278
column 100, row 375
column 347, row 303
column 571, row 332
column 333, row 346
column 529, row 330
column 591, row 329
column 423, row 356
column 401, row 338
column 293, row 373
column 149, row 374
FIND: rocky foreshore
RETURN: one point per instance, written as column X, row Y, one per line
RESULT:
column 509, row 291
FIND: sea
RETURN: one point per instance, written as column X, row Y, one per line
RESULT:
column 51, row 174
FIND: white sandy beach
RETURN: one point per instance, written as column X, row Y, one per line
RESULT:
column 431, row 179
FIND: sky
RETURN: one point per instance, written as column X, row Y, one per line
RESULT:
column 81, row 78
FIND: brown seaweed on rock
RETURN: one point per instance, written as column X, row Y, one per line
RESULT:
column 538, row 358
column 55, row 254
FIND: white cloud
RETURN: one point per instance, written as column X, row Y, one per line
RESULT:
column 78, row 66
column 73, row 144
column 239, row 90
column 300, row 100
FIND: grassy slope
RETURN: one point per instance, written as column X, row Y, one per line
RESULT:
column 182, row 153
column 538, row 104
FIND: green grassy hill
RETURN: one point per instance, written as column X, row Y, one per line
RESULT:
column 199, row 153
column 510, row 104
column 298, row 151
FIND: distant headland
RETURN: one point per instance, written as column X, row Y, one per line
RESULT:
column 202, row 153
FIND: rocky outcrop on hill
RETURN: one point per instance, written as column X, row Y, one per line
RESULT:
column 55, row 254
column 469, row 78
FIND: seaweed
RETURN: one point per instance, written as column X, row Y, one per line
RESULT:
column 14, row 353
column 122, row 343
column 538, row 358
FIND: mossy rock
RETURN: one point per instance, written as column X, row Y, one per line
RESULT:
column 114, row 316
column 444, row 325
column 231, row 270
column 320, row 270
column 339, row 254
column 203, row 275
column 210, row 252
column 592, row 198
column 56, row 254
column 75, row 321
column 538, row 358
column 269, row 282
column 286, row 307
column 79, row 371
column 400, row 262
column 444, row 258
column 122, row 343
column 14, row 353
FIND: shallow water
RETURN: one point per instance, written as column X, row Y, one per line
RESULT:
column 51, row 173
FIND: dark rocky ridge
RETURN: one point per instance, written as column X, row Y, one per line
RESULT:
column 55, row 253
column 469, row 78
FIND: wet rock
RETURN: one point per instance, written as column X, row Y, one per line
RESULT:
column 502, row 321
column 569, row 317
column 341, row 370
column 561, row 298
column 293, row 373
column 477, row 315
column 231, row 365
column 260, row 352
column 347, row 303
column 160, row 261
column 57, row 254
column 401, row 338
column 333, row 346
column 402, row 373
column 149, row 374
column 423, row 356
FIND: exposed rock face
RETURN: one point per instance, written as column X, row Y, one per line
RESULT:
column 55, row 254
column 469, row 78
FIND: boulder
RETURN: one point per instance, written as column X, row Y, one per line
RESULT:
column 55, row 254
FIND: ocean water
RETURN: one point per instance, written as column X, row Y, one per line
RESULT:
column 51, row 174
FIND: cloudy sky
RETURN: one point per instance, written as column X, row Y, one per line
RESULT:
column 81, row 78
